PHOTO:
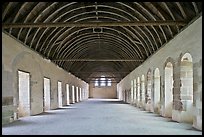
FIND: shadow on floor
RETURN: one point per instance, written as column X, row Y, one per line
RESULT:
column 194, row 129
column 62, row 108
column 106, row 102
column 44, row 113
column 18, row 123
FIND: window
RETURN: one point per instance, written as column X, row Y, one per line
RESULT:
column 109, row 82
column 96, row 83
column 102, row 81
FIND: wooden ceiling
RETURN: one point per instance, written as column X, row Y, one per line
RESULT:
column 90, row 39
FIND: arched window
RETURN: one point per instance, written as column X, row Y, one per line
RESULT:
column 96, row 83
column 102, row 81
column 109, row 82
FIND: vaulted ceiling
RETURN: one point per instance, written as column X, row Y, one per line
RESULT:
column 90, row 39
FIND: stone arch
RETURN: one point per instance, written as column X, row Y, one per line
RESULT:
column 148, row 94
column 139, row 99
column 131, row 91
column 135, row 92
column 168, row 89
column 25, row 61
column 142, row 92
column 156, row 91
column 186, row 87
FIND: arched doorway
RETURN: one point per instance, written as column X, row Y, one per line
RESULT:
column 168, row 90
column 138, row 92
column 135, row 92
column 156, row 93
column 27, row 81
column 132, row 92
column 142, row 92
column 186, row 89
column 148, row 99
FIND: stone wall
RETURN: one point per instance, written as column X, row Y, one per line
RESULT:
column 16, row 56
column 103, row 92
column 189, row 40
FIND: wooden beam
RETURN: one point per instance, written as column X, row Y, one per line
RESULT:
column 93, row 24
column 103, row 80
column 98, row 60
column 103, row 86
column 102, row 77
column 101, row 72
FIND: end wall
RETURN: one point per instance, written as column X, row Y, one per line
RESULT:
column 103, row 92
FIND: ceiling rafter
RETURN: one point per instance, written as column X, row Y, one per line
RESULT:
column 69, row 45
column 106, row 60
column 94, row 24
column 66, row 32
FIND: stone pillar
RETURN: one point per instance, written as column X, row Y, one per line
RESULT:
column 197, row 100
column 149, row 93
column 80, row 94
column 67, row 90
column 131, row 93
column 73, row 95
column 138, row 92
column 135, row 92
column 77, row 94
column 142, row 93
column 183, row 92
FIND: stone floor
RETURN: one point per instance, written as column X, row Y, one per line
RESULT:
column 98, row 117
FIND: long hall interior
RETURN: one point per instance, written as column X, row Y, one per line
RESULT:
column 102, row 68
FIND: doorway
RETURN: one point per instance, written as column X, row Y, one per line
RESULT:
column 24, row 105
column 46, row 95
column 59, row 94
column 67, row 90
column 168, row 87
